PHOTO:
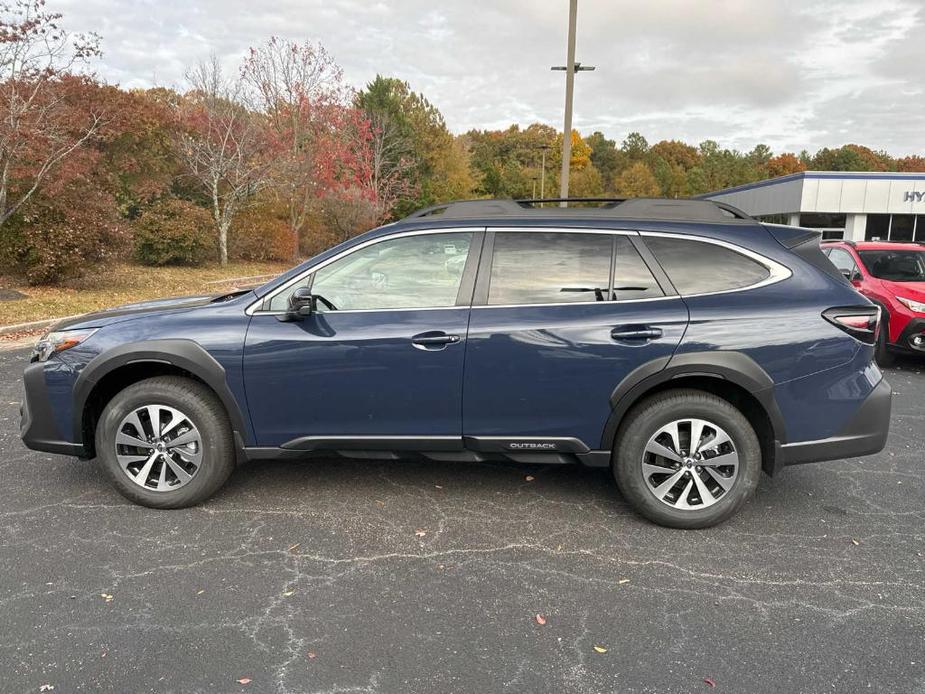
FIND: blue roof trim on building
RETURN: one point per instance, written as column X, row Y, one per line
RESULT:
column 843, row 175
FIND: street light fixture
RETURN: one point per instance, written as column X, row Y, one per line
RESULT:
column 570, row 69
column 544, row 148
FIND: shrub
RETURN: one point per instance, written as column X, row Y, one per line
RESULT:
column 59, row 238
column 258, row 233
column 174, row 232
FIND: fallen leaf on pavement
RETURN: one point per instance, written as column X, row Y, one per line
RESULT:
column 244, row 680
column 600, row 649
column 709, row 681
column 540, row 619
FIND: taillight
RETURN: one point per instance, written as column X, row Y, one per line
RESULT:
column 861, row 322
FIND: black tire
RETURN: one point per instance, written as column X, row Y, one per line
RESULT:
column 882, row 352
column 203, row 409
column 653, row 413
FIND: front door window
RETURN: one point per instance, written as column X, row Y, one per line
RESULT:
column 422, row 271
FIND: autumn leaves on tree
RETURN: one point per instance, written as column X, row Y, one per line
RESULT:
column 278, row 157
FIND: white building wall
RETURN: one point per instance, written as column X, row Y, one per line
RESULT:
column 855, row 227
column 856, row 195
column 864, row 195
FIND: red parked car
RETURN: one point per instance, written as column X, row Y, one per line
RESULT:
column 891, row 275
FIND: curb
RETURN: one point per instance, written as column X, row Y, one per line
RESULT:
column 34, row 325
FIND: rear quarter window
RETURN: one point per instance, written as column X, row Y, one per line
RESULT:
column 698, row 267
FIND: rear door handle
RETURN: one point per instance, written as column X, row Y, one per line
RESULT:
column 434, row 340
column 628, row 334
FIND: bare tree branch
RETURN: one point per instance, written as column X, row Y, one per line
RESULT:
column 37, row 124
column 222, row 145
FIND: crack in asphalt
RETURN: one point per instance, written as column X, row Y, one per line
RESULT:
column 346, row 576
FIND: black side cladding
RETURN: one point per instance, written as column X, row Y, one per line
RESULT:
column 805, row 243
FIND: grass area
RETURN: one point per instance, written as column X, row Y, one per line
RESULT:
column 124, row 283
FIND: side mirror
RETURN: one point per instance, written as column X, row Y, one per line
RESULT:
column 853, row 275
column 301, row 304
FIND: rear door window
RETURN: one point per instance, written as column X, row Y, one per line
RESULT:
column 549, row 268
column 698, row 267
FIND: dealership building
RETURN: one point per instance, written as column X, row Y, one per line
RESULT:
column 856, row 206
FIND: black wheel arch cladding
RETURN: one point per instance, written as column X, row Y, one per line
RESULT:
column 733, row 367
column 183, row 354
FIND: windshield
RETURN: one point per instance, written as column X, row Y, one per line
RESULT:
column 895, row 266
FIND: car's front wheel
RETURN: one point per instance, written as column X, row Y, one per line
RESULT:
column 165, row 442
column 882, row 352
column 686, row 459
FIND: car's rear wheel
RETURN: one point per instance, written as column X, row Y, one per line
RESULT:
column 165, row 442
column 686, row 459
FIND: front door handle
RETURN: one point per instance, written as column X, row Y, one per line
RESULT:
column 632, row 333
column 434, row 340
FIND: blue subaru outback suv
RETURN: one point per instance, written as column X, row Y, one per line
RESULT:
column 681, row 343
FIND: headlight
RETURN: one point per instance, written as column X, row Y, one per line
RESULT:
column 917, row 306
column 52, row 343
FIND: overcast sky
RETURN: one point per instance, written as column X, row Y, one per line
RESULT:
column 793, row 75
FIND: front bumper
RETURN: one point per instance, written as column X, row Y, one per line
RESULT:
column 37, row 425
column 865, row 434
column 912, row 338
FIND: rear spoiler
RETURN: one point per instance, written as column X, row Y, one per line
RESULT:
column 791, row 237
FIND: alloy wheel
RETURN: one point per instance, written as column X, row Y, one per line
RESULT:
column 690, row 464
column 158, row 447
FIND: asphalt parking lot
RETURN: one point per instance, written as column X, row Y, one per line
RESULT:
column 344, row 576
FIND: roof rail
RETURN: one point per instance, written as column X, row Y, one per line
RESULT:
column 608, row 203
column 677, row 209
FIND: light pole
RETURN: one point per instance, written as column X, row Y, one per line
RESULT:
column 544, row 148
column 570, row 69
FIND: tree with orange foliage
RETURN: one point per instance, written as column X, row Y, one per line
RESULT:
column 913, row 163
column 637, row 181
column 42, row 121
column 783, row 164
column 321, row 141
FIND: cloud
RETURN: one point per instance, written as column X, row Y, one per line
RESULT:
column 788, row 73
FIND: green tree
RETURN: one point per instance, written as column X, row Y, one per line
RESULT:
column 586, row 182
column 635, row 146
column 604, row 155
column 417, row 133
column 637, row 181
